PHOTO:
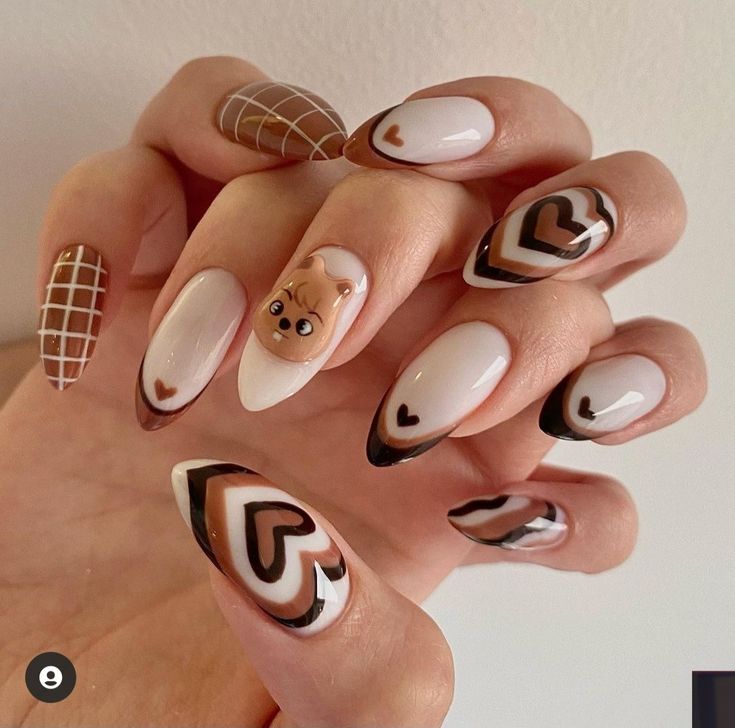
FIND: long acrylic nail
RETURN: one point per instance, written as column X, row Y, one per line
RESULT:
column 542, row 238
column 424, row 131
column 603, row 397
column 188, row 346
column 447, row 381
column 71, row 313
column 300, row 324
column 510, row 522
column 281, row 119
column 265, row 541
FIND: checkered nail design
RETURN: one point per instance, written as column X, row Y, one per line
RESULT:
column 281, row 119
column 71, row 313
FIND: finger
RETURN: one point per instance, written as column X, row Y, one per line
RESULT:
column 289, row 577
column 377, row 236
column 222, row 117
column 198, row 320
column 493, row 354
column 560, row 518
column 615, row 213
column 648, row 375
column 106, row 211
column 473, row 128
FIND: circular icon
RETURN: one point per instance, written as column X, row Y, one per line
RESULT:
column 50, row 677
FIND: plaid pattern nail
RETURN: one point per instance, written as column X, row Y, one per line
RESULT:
column 71, row 313
column 284, row 120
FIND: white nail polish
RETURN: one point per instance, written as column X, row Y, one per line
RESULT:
column 189, row 345
column 603, row 397
column 427, row 131
column 300, row 324
column 445, row 383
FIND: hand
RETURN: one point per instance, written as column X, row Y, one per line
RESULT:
column 98, row 565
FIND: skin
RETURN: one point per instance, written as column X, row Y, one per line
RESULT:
column 98, row 564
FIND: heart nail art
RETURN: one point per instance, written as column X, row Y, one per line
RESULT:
column 391, row 136
column 510, row 522
column 265, row 541
column 162, row 391
column 447, row 381
column 541, row 238
column 281, row 119
column 403, row 419
column 623, row 389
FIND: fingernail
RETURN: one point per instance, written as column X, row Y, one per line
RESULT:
column 300, row 324
column 542, row 238
column 71, row 313
column 603, row 397
column 447, row 381
column 281, row 119
column 510, row 522
column 265, row 541
column 424, row 131
column 188, row 346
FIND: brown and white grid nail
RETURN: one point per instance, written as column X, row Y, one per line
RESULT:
column 282, row 119
column 541, row 238
column 603, row 397
column 510, row 522
column 71, row 313
column 265, row 541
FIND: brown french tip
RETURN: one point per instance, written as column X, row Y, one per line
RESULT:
column 281, row 119
column 70, row 316
column 149, row 416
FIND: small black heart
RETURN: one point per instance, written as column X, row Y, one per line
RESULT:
column 584, row 409
column 404, row 419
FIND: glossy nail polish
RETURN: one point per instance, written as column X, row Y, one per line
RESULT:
column 424, row 131
column 603, row 397
column 542, row 238
column 188, row 346
column 281, row 119
column 510, row 522
column 71, row 313
column 299, row 325
column 446, row 382
column 265, row 541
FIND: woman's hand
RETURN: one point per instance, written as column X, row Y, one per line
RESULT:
column 338, row 279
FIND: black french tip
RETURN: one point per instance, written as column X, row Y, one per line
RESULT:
column 381, row 455
column 551, row 420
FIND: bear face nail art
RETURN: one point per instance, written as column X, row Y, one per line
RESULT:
column 602, row 397
column 510, row 522
column 299, row 324
column 265, row 541
column 541, row 238
column 447, row 381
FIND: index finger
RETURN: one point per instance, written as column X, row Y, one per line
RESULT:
column 473, row 128
column 223, row 117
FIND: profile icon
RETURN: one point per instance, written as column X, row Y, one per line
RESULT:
column 50, row 677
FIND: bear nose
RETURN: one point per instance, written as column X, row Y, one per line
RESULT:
column 284, row 324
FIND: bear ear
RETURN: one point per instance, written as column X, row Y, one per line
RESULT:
column 313, row 261
column 344, row 288
column 306, row 263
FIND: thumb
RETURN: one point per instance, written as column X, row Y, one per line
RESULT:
column 334, row 644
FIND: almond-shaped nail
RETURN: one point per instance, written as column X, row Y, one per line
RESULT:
column 602, row 397
column 542, row 238
column 445, row 383
column 423, row 131
column 188, row 346
column 70, row 316
column 299, row 324
column 265, row 541
column 281, row 119
column 510, row 522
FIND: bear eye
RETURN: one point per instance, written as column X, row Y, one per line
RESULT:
column 276, row 308
column 304, row 327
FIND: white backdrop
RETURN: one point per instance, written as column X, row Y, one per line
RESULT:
column 532, row 647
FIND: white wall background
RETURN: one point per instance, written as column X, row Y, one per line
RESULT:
column 532, row 647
